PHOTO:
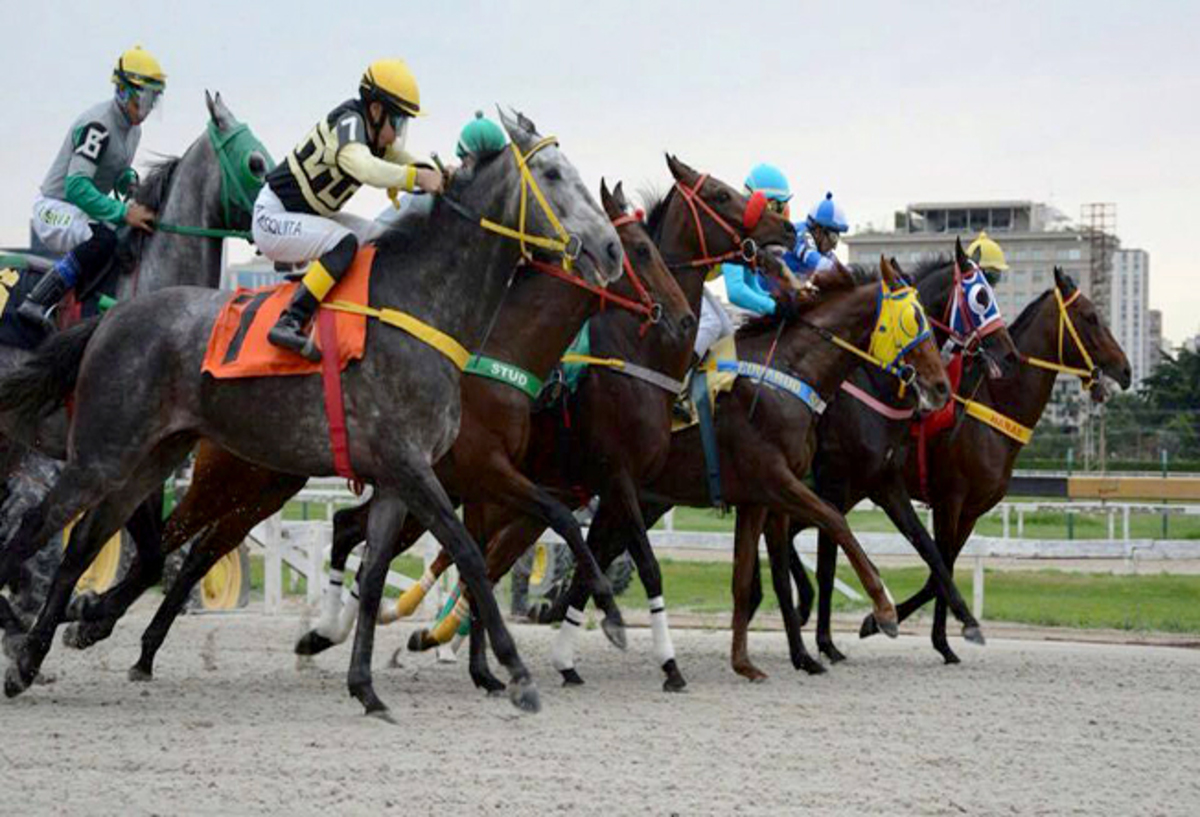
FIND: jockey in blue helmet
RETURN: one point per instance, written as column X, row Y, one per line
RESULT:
column 817, row 238
column 744, row 287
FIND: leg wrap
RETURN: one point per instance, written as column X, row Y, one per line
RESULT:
column 411, row 598
column 331, row 606
column 664, row 650
column 562, row 651
column 348, row 616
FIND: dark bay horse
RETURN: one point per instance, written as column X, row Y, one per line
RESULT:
column 620, row 425
column 970, row 465
column 129, row 431
column 765, row 453
column 863, row 446
column 191, row 191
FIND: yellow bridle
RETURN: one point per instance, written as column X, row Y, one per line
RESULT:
column 1088, row 375
column 565, row 243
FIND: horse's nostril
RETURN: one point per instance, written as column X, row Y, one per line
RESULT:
column 688, row 323
column 943, row 388
column 614, row 251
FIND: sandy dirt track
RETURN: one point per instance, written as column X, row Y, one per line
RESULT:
column 231, row 726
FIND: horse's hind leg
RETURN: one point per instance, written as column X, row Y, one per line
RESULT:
column 88, row 536
column 779, row 545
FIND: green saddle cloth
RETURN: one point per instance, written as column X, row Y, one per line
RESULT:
column 582, row 345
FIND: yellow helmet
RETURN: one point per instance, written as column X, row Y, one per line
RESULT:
column 987, row 253
column 390, row 82
column 137, row 67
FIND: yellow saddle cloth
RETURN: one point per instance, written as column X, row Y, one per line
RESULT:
column 724, row 349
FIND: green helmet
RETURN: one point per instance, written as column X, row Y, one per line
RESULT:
column 481, row 137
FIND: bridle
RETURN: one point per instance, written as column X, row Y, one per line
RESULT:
column 745, row 249
column 1089, row 375
column 971, row 343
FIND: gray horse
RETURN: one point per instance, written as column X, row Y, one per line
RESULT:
column 141, row 401
column 189, row 191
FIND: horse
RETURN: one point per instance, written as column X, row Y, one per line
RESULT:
column 863, row 445
column 196, row 515
column 970, row 465
column 540, row 316
column 199, row 198
column 620, row 416
column 131, row 429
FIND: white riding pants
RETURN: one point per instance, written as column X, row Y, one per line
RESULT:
column 293, row 238
column 714, row 324
column 60, row 225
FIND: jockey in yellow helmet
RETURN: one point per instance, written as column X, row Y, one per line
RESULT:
column 297, row 214
column 74, row 214
column 985, row 252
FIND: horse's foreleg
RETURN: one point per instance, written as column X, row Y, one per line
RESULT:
column 425, row 495
column 801, row 502
column 779, row 546
column 745, row 554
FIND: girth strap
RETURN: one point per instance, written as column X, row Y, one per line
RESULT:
column 782, row 381
column 422, row 331
column 331, row 381
column 995, row 420
column 708, row 437
column 662, row 381
column 510, row 374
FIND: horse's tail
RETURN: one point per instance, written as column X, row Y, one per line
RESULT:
column 44, row 382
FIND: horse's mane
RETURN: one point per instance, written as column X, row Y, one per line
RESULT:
column 152, row 192
column 655, row 203
column 929, row 267
column 1026, row 317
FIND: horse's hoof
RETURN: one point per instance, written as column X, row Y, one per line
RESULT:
column 381, row 714
column 750, row 672
column 571, row 678
column 810, row 665
column 674, row 681
column 13, row 685
column 614, row 631
column 79, row 636
column 79, row 606
column 869, row 626
column 974, row 634
column 20, row 672
column 139, row 674
column 524, row 695
column 949, row 657
column 420, row 642
column 831, row 652
column 888, row 627
column 312, row 643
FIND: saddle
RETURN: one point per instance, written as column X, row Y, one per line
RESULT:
column 238, row 346
column 935, row 423
column 19, row 274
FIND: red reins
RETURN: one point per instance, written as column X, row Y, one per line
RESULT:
column 746, row 250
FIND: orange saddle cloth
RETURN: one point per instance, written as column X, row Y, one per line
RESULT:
column 238, row 345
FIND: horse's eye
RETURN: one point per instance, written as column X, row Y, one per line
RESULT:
column 1093, row 319
column 643, row 252
column 723, row 197
column 257, row 164
column 553, row 175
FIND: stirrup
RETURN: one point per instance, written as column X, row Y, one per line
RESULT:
column 301, row 344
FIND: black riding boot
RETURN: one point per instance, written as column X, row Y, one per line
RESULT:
column 47, row 292
column 288, row 332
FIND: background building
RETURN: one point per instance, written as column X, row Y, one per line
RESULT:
column 1154, row 336
column 1036, row 238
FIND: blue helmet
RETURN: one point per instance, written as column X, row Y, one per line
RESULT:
column 770, row 181
column 829, row 214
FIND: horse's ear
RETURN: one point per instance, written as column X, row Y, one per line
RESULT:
column 682, row 173
column 887, row 273
column 1063, row 281
column 220, row 114
column 960, row 257
column 610, row 204
column 619, row 197
column 520, row 130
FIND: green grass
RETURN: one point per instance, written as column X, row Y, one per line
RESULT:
column 1044, row 597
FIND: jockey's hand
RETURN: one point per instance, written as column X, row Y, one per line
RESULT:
column 430, row 181
column 140, row 217
column 807, row 292
column 786, row 307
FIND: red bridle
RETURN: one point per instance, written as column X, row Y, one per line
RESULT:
column 976, row 337
column 645, row 305
column 746, row 251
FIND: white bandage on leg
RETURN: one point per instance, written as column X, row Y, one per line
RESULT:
column 664, row 650
column 331, row 605
column 349, row 614
column 562, row 651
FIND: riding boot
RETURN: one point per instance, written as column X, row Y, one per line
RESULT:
column 48, row 291
column 682, row 410
column 323, row 274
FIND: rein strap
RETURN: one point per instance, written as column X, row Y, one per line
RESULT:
column 420, row 330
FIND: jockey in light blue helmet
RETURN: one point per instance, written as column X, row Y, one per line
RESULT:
column 745, row 287
column 817, row 238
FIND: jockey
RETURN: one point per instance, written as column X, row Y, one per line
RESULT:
column 73, row 214
column 985, row 252
column 817, row 238
column 296, row 215
column 744, row 287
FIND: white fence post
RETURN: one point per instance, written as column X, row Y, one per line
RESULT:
column 1020, row 522
column 273, row 567
column 1125, row 522
column 1004, row 514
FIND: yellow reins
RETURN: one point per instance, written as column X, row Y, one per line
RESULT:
column 1088, row 375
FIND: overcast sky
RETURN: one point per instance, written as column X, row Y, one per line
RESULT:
column 883, row 103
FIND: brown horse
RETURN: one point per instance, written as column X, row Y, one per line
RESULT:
column 970, row 465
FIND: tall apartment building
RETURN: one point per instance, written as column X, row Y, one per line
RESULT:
column 1154, row 338
column 1129, row 295
column 1036, row 238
